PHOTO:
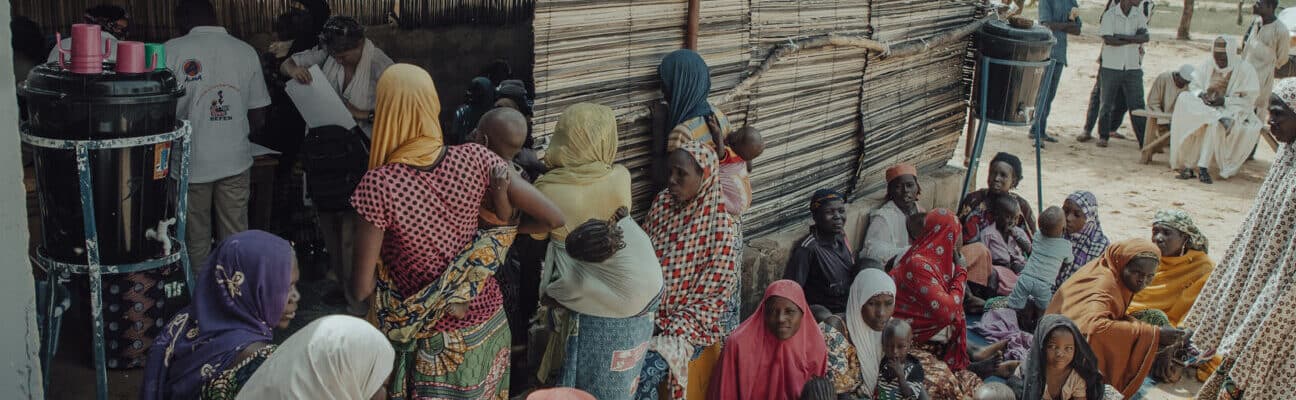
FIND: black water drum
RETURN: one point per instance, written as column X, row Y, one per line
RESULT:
column 132, row 192
column 134, row 195
column 1012, row 91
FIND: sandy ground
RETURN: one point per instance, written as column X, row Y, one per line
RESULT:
column 1128, row 192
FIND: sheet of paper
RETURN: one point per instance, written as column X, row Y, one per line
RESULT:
column 259, row 150
column 318, row 103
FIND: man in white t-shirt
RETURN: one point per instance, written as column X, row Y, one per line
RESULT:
column 114, row 24
column 1124, row 30
column 225, row 99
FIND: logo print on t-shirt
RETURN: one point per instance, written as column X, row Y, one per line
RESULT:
column 192, row 70
column 220, row 110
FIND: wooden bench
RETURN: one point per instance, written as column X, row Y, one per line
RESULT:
column 1156, row 138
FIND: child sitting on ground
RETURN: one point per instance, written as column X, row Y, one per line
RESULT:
column 1007, row 241
column 901, row 375
column 1050, row 253
column 735, row 169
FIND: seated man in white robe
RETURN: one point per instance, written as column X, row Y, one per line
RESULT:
column 1215, row 120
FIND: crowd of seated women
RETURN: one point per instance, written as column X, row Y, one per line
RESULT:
column 647, row 309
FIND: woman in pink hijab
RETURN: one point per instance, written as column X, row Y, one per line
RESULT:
column 774, row 352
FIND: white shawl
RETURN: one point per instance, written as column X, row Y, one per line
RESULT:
column 336, row 357
column 868, row 342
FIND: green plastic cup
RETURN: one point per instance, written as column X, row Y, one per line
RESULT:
column 155, row 56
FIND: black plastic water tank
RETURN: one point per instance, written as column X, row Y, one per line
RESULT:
column 1012, row 90
column 132, row 188
column 132, row 192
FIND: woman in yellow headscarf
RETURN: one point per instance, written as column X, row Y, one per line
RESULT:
column 434, row 294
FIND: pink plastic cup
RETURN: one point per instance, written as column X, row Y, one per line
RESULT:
column 130, row 58
column 89, row 50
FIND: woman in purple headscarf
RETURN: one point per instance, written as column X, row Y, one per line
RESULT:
column 209, row 349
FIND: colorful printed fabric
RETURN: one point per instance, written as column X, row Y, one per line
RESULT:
column 411, row 322
column 240, row 296
column 1090, row 241
column 843, row 364
column 428, row 218
column 822, row 197
column 227, row 384
column 974, row 213
column 941, row 382
column 930, row 287
column 1180, row 221
column 470, row 363
column 1248, row 304
column 695, row 243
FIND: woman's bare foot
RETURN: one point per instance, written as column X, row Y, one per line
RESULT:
column 989, row 352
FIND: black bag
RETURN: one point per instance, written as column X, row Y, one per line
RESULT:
column 334, row 159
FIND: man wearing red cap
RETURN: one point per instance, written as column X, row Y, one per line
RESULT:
column 887, row 235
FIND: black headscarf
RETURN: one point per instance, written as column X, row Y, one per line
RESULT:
column 1084, row 363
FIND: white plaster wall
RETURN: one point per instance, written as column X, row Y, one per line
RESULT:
column 20, row 378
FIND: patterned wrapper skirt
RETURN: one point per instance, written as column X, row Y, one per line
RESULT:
column 470, row 363
column 606, row 355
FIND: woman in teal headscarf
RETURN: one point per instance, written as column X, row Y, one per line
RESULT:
column 684, row 115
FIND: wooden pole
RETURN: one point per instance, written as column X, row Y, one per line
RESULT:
column 691, row 33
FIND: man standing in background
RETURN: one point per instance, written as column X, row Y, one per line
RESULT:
column 1060, row 16
column 225, row 98
column 1124, row 31
column 1265, row 47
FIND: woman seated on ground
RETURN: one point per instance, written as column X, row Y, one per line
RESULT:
column 931, row 286
column 1062, row 366
column 774, row 353
column 335, row 357
column 1097, row 297
column 888, row 236
column 247, row 289
column 976, row 214
column 606, row 282
column 1084, row 231
column 434, row 293
column 694, row 238
column 822, row 263
column 1184, row 268
column 855, row 346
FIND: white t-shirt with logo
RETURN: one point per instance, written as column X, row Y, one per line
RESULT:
column 222, row 79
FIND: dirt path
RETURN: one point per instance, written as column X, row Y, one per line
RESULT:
column 1128, row 192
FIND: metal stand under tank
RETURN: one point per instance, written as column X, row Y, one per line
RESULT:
column 57, row 271
column 1021, row 79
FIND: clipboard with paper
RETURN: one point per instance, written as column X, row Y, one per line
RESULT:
column 318, row 103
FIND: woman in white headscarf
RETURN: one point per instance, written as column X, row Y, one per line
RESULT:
column 855, row 354
column 1216, row 119
column 336, row 357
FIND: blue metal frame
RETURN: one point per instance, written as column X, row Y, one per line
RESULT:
column 59, row 271
column 984, row 123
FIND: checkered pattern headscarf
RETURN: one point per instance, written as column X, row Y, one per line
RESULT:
column 695, row 244
column 1285, row 89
